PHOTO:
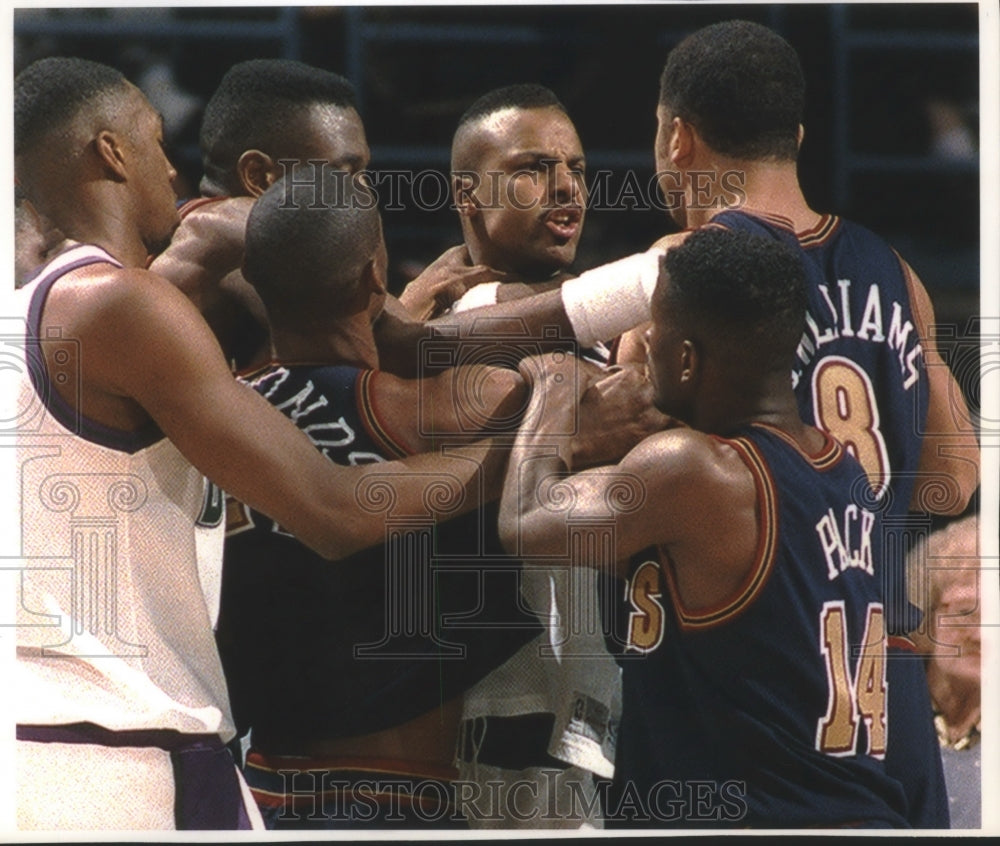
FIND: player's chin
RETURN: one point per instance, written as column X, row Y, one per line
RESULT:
column 559, row 256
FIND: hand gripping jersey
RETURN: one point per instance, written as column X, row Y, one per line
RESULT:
column 770, row 710
column 317, row 649
column 112, row 624
column 859, row 374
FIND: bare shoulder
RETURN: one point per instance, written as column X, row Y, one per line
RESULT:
column 683, row 452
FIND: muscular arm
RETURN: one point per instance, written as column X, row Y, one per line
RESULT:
column 145, row 342
column 667, row 491
column 204, row 260
column 459, row 404
column 949, row 447
column 519, row 324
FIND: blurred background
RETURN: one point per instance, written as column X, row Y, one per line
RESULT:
column 892, row 115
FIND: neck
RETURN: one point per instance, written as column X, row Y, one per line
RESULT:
column 768, row 400
column 346, row 341
column 765, row 186
column 102, row 221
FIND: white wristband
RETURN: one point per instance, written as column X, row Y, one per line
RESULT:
column 476, row 297
column 604, row 302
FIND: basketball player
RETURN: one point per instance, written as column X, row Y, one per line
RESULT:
column 867, row 369
column 270, row 111
column 266, row 115
column 292, row 632
column 120, row 700
column 517, row 182
column 752, row 617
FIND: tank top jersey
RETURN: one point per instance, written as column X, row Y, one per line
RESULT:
column 112, row 623
column 317, row 649
column 859, row 370
column 769, row 710
column 859, row 373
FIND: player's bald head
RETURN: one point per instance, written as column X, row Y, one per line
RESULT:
column 309, row 239
column 481, row 124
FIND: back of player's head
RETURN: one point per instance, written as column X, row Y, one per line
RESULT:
column 50, row 93
column 741, row 85
column 309, row 238
column 256, row 106
column 521, row 96
column 743, row 294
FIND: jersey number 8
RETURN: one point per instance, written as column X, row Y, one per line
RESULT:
column 844, row 405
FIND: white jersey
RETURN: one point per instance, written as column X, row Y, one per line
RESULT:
column 112, row 622
column 566, row 671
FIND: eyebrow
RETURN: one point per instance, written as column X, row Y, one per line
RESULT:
column 541, row 154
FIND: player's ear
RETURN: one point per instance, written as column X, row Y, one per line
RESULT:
column 373, row 278
column 682, row 143
column 108, row 147
column 799, row 138
column 256, row 172
column 463, row 189
column 690, row 362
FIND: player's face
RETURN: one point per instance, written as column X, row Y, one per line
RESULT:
column 531, row 197
column 669, row 176
column 154, row 175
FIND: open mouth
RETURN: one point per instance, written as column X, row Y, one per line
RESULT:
column 563, row 222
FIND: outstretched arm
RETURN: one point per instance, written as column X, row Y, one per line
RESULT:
column 147, row 342
column 663, row 492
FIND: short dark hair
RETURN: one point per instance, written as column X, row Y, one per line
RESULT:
column 741, row 86
column 309, row 236
column 255, row 107
column 746, row 292
column 523, row 96
column 49, row 93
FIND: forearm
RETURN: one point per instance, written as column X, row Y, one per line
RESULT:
column 540, row 457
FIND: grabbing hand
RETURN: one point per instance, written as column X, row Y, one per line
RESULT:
column 443, row 282
column 616, row 413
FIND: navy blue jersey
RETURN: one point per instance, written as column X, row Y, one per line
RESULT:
column 770, row 710
column 316, row 649
column 859, row 374
column 859, row 370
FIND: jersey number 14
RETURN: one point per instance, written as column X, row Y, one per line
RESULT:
column 856, row 696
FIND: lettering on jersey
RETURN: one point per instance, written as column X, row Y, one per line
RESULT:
column 847, row 541
column 645, row 623
column 213, row 506
column 325, row 434
column 837, row 322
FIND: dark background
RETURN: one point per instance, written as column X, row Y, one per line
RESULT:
column 876, row 75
